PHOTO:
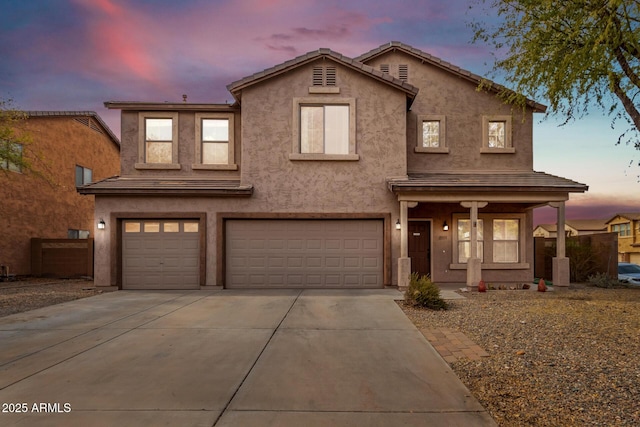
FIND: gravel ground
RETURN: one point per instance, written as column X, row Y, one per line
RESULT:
column 29, row 294
column 562, row 358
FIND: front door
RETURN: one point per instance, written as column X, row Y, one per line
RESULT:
column 420, row 247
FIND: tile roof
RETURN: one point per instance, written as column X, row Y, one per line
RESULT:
column 632, row 216
column 395, row 45
column 238, row 85
column 167, row 187
column 92, row 114
column 579, row 224
column 508, row 181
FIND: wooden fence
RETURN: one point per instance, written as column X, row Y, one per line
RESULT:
column 62, row 257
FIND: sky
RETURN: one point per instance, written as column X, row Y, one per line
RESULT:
column 77, row 54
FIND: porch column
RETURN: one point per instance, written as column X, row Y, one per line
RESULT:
column 404, row 262
column 474, row 264
column 561, row 268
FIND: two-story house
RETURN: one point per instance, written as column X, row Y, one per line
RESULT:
column 572, row 227
column 627, row 225
column 327, row 172
column 67, row 149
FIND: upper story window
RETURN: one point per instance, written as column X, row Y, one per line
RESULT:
column 158, row 141
column 496, row 134
column 12, row 151
column 215, row 142
column 431, row 133
column 324, row 129
column 623, row 230
column 83, row 176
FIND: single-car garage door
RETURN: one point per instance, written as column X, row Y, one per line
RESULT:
column 160, row 254
column 304, row 253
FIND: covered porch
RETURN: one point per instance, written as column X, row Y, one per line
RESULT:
column 463, row 228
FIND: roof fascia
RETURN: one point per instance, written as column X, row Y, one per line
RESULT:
column 167, row 106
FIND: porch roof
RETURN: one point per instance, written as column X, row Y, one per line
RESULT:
column 123, row 186
column 485, row 182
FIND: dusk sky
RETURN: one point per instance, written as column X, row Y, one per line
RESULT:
column 76, row 54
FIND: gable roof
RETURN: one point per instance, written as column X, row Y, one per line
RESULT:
column 631, row 216
column 236, row 87
column 74, row 114
column 578, row 225
column 444, row 65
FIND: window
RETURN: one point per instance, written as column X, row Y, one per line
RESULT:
column 623, row 230
column 431, row 133
column 83, row 176
column 496, row 137
column 215, row 146
column 500, row 243
column 77, row 234
column 505, row 240
column 158, row 141
column 464, row 240
column 324, row 131
column 13, row 151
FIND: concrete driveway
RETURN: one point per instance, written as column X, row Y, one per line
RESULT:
column 227, row 358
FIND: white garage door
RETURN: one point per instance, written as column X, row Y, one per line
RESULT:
column 304, row 253
column 160, row 254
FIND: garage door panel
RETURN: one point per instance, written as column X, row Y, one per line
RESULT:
column 160, row 254
column 304, row 253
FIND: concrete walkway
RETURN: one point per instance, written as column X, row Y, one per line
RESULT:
column 227, row 358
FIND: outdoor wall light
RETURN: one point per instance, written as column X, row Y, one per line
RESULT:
column 445, row 226
column 101, row 224
column 398, row 225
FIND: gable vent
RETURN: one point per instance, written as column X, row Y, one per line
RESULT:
column 317, row 76
column 403, row 72
column 330, row 76
column 88, row 122
column 324, row 76
column 384, row 68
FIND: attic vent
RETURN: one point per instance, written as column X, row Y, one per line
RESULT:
column 317, row 76
column 324, row 76
column 330, row 76
column 88, row 122
column 384, row 68
column 403, row 72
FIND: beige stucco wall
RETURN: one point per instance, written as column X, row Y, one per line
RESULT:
column 628, row 246
column 32, row 206
column 443, row 93
column 282, row 185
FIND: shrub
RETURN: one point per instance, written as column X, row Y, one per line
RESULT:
column 422, row 292
column 603, row 280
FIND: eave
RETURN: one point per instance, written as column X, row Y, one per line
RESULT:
column 117, row 186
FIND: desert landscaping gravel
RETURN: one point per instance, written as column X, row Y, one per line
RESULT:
column 24, row 295
column 561, row 358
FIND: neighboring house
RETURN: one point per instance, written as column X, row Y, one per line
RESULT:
column 572, row 227
column 73, row 148
column 326, row 172
column 627, row 225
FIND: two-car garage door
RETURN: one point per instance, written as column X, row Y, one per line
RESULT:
column 305, row 253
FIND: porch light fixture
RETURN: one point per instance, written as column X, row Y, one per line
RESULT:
column 445, row 226
column 398, row 225
column 101, row 224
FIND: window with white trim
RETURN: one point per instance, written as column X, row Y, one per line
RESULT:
column 496, row 134
column 215, row 145
column 158, row 141
column 324, row 129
